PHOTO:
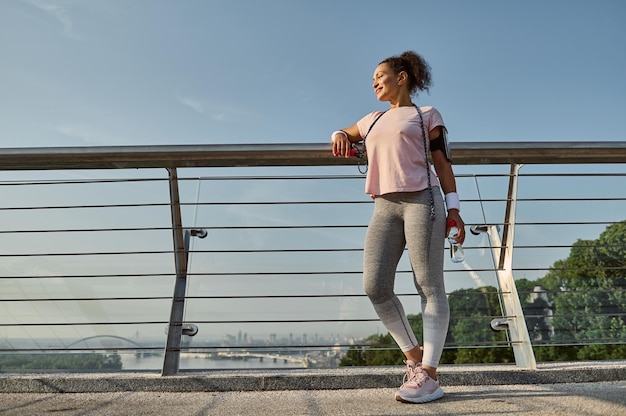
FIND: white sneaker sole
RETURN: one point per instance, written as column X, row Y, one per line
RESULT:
column 437, row 394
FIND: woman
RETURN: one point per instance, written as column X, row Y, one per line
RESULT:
column 408, row 212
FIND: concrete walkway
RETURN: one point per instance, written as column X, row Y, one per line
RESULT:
column 580, row 399
column 594, row 388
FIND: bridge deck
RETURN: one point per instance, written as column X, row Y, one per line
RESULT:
column 580, row 388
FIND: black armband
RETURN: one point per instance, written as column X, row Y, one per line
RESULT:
column 440, row 143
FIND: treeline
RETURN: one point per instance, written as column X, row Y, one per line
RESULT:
column 577, row 311
column 61, row 361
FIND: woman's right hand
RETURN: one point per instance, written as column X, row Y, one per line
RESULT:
column 342, row 140
column 341, row 144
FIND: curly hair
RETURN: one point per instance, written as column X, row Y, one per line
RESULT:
column 415, row 66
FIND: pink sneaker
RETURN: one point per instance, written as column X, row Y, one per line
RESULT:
column 418, row 387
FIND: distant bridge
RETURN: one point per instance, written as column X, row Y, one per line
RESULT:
column 84, row 340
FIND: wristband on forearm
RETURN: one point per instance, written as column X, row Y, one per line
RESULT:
column 452, row 201
column 335, row 133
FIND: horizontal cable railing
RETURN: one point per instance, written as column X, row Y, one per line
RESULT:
column 88, row 262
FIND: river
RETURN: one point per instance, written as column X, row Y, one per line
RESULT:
column 201, row 362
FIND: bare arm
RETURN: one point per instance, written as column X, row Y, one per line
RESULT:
column 341, row 142
column 443, row 167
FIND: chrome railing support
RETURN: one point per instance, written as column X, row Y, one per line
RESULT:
column 503, row 251
column 513, row 320
column 181, row 249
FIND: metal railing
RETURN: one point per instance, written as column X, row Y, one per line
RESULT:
column 266, row 239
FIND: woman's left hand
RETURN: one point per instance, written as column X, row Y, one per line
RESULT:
column 453, row 214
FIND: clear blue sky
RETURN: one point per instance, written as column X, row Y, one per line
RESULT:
column 118, row 72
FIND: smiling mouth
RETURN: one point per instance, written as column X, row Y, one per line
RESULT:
column 377, row 90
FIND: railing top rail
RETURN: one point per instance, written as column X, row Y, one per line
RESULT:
column 293, row 154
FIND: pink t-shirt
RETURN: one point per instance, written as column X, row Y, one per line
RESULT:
column 395, row 150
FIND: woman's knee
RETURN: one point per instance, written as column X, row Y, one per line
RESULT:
column 376, row 292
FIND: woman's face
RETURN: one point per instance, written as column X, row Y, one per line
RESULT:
column 386, row 84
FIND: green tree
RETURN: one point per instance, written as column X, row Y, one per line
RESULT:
column 589, row 296
column 380, row 349
column 471, row 312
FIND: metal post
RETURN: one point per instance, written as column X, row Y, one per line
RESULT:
column 181, row 248
column 503, row 250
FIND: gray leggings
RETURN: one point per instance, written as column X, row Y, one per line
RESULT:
column 403, row 220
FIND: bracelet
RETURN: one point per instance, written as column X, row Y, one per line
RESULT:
column 452, row 201
column 335, row 133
